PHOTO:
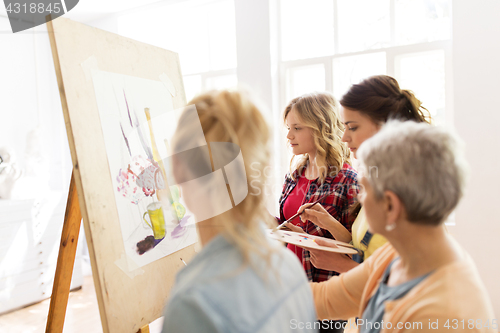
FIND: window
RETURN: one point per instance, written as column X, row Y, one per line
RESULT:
column 350, row 69
column 305, row 79
column 424, row 73
column 332, row 44
column 306, row 29
column 422, row 21
column 201, row 31
column 363, row 25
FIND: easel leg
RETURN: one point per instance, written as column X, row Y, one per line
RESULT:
column 144, row 329
column 65, row 262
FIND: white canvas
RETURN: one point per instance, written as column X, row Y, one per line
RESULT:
column 121, row 101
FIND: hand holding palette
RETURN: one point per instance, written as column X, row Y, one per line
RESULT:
column 308, row 241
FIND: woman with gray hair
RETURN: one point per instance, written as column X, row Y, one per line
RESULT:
column 413, row 176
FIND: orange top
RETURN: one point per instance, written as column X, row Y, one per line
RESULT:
column 453, row 295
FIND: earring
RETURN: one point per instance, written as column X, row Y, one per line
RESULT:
column 390, row 227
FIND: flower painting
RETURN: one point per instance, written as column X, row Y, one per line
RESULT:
column 138, row 121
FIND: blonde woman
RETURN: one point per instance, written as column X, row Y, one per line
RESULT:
column 319, row 169
column 240, row 281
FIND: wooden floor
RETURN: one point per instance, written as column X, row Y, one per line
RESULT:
column 82, row 315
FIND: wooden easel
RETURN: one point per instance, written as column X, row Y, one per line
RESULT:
column 70, row 233
column 91, row 193
column 65, row 263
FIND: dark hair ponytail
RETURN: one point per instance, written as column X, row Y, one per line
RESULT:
column 380, row 98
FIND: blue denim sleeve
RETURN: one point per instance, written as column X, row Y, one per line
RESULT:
column 186, row 314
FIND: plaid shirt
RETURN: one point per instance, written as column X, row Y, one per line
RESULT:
column 343, row 189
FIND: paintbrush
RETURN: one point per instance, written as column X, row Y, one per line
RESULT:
column 294, row 216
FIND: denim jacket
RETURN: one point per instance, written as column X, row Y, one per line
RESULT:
column 213, row 294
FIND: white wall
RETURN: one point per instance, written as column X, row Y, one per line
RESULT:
column 30, row 98
column 476, row 81
column 257, row 58
column 108, row 24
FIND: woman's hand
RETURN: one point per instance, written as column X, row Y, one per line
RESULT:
column 317, row 214
column 294, row 228
column 320, row 217
column 330, row 261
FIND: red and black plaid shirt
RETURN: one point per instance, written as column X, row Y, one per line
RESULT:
column 343, row 189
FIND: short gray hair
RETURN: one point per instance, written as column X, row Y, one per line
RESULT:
column 423, row 165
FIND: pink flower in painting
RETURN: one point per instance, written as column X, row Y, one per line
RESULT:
column 124, row 186
column 148, row 192
column 127, row 180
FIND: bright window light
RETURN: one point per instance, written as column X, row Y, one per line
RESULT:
column 192, row 86
column 423, row 73
column 306, row 29
column 202, row 32
column 353, row 69
column 420, row 21
column 363, row 25
column 221, row 82
column 305, row 79
column 222, row 34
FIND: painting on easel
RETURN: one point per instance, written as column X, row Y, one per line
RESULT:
column 121, row 100
column 138, row 120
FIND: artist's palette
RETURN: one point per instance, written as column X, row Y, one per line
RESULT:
column 308, row 241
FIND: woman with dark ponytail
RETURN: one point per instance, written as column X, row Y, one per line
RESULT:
column 380, row 98
column 364, row 109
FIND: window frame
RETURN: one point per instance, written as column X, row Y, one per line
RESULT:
column 391, row 52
